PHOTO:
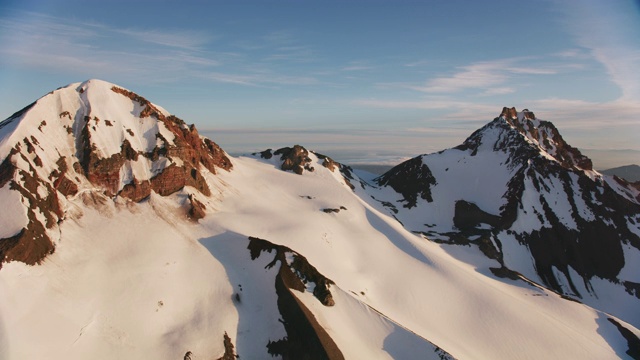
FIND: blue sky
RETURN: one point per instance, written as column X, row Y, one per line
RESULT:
column 361, row 81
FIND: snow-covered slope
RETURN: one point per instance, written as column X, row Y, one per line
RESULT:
column 286, row 255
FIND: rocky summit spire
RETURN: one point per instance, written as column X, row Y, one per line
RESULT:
column 546, row 137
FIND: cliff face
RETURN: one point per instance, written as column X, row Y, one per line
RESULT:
column 97, row 137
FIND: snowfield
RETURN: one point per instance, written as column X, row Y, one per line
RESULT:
column 126, row 283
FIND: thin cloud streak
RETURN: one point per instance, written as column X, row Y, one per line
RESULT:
column 483, row 75
column 48, row 43
column 188, row 40
column 612, row 39
column 259, row 79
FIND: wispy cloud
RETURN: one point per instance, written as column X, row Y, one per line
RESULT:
column 154, row 55
column 611, row 38
column 498, row 91
column 259, row 79
column 44, row 42
column 590, row 115
column 431, row 103
column 188, row 40
column 531, row 71
column 278, row 46
column 485, row 74
column 357, row 68
column 479, row 75
column 419, row 63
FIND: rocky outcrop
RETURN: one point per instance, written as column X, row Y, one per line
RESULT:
column 187, row 148
column 295, row 159
column 32, row 244
column 633, row 342
column 197, row 210
column 468, row 216
column 580, row 246
column 306, row 338
column 413, row 179
column 60, row 180
column 547, row 136
column 229, row 349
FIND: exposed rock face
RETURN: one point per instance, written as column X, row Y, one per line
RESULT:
column 412, row 179
column 578, row 243
column 129, row 155
column 295, row 159
column 469, row 216
column 547, row 137
column 632, row 340
column 229, row 349
column 197, row 210
column 306, row 339
column 32, row 244
column 187, row 146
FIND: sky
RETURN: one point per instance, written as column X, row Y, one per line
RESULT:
column 361, row 81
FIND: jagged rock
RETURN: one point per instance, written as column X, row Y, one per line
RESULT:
column 547, row 136
column 306, row 339
column 633, row 342
column 136, row 190
column 229, row 349
column 295, row 159
column 267, row 154
column 197, row 209
column 509, row 113
column 468, row 216
column 412, row 179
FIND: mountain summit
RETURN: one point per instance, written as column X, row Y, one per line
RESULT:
column 532, row 202
column 88, row 136
column 125, row 234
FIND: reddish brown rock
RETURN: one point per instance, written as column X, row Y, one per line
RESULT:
column 197, row 209
column 170, row 180
column 32, row 244
column 7, row 169
column 509, row 113
column 193, row 152
column 65, row 186
column 229, row 350
column 564, row 153
column 295, row 159
column 135, row 190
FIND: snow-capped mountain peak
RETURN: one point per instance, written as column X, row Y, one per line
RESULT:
column 529, row 201
column 92, row 137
